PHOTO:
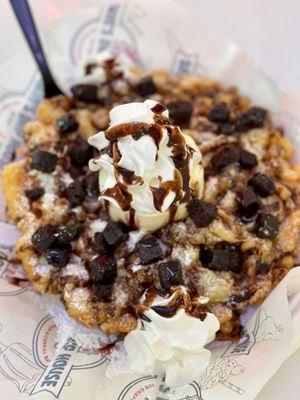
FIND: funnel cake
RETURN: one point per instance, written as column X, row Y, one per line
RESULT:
column 238, row 241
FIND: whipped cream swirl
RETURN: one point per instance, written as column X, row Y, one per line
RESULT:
column 173, row 346
column 148, row 170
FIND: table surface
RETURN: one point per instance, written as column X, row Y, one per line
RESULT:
column 269, row 32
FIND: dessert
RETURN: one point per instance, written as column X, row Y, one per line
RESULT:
column 236, row 236
column 148, row 169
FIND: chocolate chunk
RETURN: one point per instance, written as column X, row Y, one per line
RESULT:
column 247, row 160
column 158, row 108
column 253, row 118
column 103, row 269
column 75, row 194
column 80, row 152
column 239, row 298
column 102, row 293
column 248, row 204
column 98, row 243
column 221, row 257
column 226, row 128
column 201, row 212
column 215, row 259
column 219, row 113
column 44, row 161
column 87, row 93
column 90, row 185
column 67, row 123
column 262, row 185
column 58, row 256
column 35, row 193
column 236, row 258
column 180, row 112
column 145, row 87
column 149, row 250
column 262, row 267
column 113, row 234
column 170, row 274
column 266, row 226
column 224, row 156
column 44, row 237
column 66, row 233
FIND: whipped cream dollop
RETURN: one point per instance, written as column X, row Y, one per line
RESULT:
column 101, row 67
column 148, row 169
column 174, row 346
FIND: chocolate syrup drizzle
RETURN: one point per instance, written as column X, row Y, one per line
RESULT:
column 132, row 223
column 122, row 197
column 179, row 299
column 169, row 310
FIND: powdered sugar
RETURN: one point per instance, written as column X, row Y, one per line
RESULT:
column 48, row 200
column 77, row 210
column 97, row 226
column 134, row 238
column 120, row 297
column 47, row 181
column 186, row 255
column 66, row 178
column 78, row 298
column 119, row 362
column 76, row 268
column 51, row 206
column 137, row 267
column 42, row 268
column 89, row 339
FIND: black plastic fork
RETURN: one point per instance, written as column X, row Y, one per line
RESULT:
column 24, row 16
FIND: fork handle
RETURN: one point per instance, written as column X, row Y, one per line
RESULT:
column 24, row 16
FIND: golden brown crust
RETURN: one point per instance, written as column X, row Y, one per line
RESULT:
column 13, row 177
column 78, row 306
column 273, row 152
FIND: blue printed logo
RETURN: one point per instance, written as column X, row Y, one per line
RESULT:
column 44, row 369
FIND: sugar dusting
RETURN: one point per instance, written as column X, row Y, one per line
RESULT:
column 78, row 298
column 186, row 255
column 119, row 362
column 97, row 226
column 77, row 210
column 90, row 339
column 66, row 178
column 47, row 181
column 121, row 297
column 137, row 267
column 134, row 238
column 49, row 204
column 76, row 268
column 48, row 200
column 41, row 268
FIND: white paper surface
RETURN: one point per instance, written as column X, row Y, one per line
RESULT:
column 34, row 361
